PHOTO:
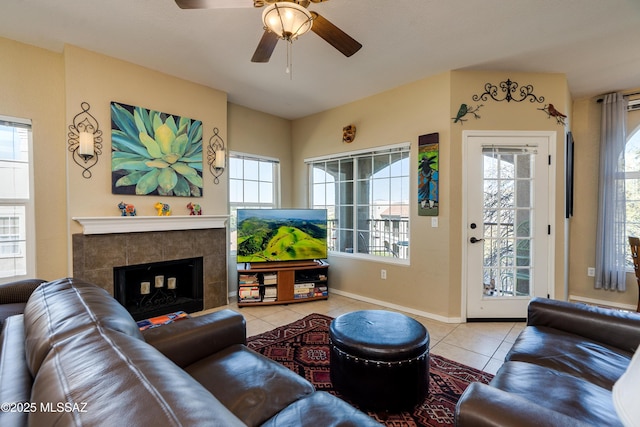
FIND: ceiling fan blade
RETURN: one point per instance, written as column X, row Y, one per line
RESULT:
column 265, row 47
column 213, row 4
column 334, row 35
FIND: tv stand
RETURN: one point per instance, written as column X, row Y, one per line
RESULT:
column 282, row 282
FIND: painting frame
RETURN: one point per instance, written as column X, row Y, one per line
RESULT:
column 155, row 153
column 428, row 174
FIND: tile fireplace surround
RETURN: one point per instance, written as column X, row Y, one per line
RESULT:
column 109, row 242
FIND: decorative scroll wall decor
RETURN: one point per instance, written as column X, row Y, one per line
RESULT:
column 155, row 153
column 216, row 156
column 508, row 88
column 428, row 174
column 85, row 140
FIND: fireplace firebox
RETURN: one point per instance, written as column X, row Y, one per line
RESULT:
column 154, row 289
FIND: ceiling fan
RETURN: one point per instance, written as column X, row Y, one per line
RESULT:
column 274, row 18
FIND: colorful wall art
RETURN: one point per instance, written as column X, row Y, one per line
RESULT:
column 155, row 153
column 428, row 175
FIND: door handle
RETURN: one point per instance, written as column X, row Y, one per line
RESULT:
column 474, row 240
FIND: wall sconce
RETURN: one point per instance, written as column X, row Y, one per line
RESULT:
column 85, row 140
column 216, row 156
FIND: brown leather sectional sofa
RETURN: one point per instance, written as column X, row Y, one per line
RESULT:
column 76, row 357
column 560, row 371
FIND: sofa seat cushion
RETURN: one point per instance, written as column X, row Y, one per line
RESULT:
column 106, row 378
column 64, row 307
column 252, row 386
column 560, row 392
column 321, row 409
column 569, row 353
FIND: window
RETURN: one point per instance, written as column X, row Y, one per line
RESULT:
column 16, row 207
column 366, row 195
column 253, row 183
column 632, row 187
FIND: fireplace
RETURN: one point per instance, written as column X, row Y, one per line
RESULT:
column 108, row 242
column 154, row 289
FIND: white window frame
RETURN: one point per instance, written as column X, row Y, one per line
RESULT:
column 27, row 203
column 383, row 253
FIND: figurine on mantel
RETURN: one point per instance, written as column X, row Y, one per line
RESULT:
column 163, row 209
column 194, row 209
column 126, row 209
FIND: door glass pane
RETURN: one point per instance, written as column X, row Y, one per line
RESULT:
column 507, row 214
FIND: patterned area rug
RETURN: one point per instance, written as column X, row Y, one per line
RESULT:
column 303, row 347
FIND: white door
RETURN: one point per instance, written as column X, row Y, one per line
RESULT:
column 507, row 230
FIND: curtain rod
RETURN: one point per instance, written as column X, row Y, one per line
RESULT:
column 626, row 94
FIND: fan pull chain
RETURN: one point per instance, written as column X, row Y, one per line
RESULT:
column 289, row 69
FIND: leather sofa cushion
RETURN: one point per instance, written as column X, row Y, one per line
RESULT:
column 123, row 382
column 560, row 392
column 573, row 354
column 11, row 309
column 15, row 379
column 626, row 391
column 320, row 409
column 253, row 387
column 60, row 309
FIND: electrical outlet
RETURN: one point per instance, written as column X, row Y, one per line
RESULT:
column 591, row 272
column 383, row 274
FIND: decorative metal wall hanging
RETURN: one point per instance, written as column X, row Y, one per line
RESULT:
column 552, row 112
column 509, row 88
column 216, row 155
column 428, row 174
column 155, row 153
column 85, row 140
column 464, row 110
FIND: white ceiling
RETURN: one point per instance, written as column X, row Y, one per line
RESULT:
column 596, row 43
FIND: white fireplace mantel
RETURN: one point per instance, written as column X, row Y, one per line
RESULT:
column 139, row 224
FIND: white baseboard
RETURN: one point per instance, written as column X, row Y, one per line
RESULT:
column 397, row 307
column 388, row 305
column 603, row 303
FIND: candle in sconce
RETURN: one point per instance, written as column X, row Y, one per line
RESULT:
column 145, row 288
column 220, row 159
column 159, row 281
column 85, row 144
column 171, row 283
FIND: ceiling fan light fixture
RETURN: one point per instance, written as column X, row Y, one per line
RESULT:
column 287, row 20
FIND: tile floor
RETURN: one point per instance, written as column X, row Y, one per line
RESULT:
column 479, row 345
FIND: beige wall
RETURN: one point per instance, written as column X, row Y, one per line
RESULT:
column 32, row 86
column 518, row 116
column 98, row 80
column 395, row 116
column 48, row 87
column 254, row 132
column 582, row 241
column 432, row 281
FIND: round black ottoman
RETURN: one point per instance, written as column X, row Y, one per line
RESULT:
column 380, row 359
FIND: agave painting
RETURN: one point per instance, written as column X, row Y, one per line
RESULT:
column 155, row 153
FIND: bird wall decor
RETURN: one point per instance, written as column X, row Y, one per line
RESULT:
column 552, row 112
column 464, row 110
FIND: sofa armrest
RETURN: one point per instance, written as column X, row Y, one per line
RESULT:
column 482, row 405
column 18, row 292
column 616, row 328
column 189, row 340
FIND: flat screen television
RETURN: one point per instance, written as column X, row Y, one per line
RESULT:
column 268, row 235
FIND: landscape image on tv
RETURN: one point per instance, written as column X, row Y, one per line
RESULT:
column 266, row 235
